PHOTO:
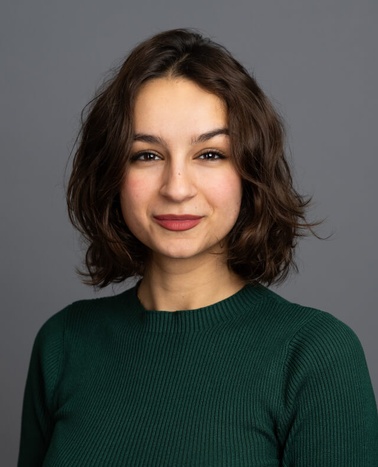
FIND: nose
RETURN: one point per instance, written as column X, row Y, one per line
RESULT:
column 178, row 183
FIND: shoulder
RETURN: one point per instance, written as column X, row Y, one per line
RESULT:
column 304, row 322
column 319, row 352
column 327, row 337
column 83, row 315
column 307, row 338
column 293, row 323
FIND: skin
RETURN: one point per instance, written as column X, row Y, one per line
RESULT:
column 181, row 165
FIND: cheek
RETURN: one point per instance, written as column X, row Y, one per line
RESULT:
column 132, row 197
column 229, row 193
column 133, row 190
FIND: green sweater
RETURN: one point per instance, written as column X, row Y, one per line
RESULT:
column 250, row 381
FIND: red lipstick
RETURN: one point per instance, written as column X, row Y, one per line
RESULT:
column 177, row 222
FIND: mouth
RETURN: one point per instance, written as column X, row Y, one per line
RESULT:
column 177, row 223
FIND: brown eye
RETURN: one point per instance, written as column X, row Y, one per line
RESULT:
column 146, row 157
column 211, row 156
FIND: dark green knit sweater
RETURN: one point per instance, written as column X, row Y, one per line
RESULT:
column 250, row 381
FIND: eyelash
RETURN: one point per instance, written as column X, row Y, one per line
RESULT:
column 218, row 155
column 151, row 156
column 140, row 156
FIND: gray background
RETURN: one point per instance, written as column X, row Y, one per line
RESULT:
column 316, row 59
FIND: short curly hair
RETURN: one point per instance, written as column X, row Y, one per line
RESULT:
column 272, row 215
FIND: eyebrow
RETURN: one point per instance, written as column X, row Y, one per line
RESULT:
column 210, row 134
column 146, row 138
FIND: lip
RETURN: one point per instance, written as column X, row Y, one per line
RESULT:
column 176, row 222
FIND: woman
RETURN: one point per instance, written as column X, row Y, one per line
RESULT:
column 180, row 179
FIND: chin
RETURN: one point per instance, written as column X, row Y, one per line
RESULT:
column 186, row 253
column 179, row 255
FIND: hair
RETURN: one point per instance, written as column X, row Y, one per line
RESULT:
column 272, row 216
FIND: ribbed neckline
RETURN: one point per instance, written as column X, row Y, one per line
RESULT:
column 196, row 319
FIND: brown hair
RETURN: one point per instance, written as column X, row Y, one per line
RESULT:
column 260, row 245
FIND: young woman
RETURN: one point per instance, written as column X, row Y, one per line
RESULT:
column 180, row 179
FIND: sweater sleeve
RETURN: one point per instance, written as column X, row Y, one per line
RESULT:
column 331, row 413
column 43, row 374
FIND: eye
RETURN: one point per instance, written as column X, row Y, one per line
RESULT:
column 145, row 156
column 211, row 156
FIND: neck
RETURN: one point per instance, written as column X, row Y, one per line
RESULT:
column 185, row 284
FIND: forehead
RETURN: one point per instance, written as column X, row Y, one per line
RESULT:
column 165, row 104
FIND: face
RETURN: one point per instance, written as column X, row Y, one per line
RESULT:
column 181, row 193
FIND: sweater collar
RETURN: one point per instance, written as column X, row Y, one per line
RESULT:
column 192, row 320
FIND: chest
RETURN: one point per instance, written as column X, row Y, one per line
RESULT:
column 177, row 402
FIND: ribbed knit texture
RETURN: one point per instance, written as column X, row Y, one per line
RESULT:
column 250, row 381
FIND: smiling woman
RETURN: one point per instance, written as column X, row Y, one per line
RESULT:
column 182, row 202
column 180, row 179
column 181, row 193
